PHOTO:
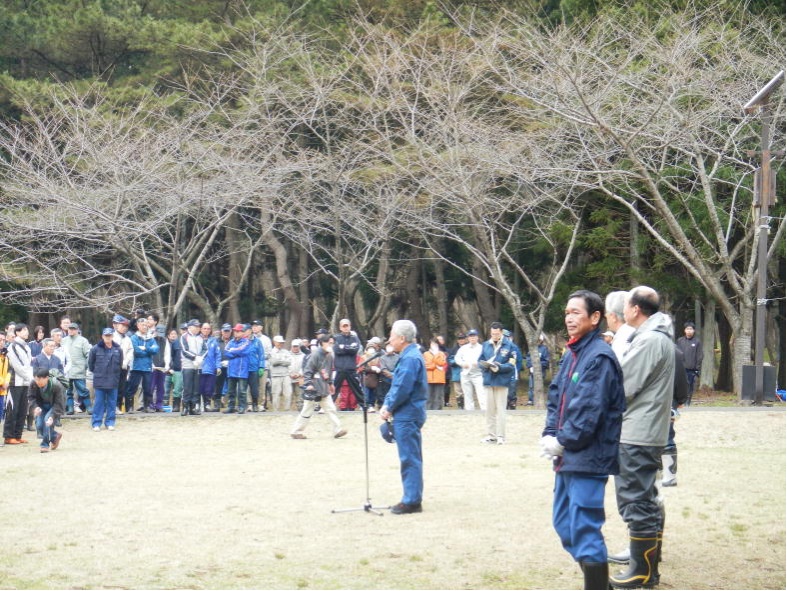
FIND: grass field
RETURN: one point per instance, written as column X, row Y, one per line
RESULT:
column 232, row 502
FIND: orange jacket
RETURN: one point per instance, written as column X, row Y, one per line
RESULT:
column 436, row 366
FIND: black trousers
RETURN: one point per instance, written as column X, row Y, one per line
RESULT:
column 635, row 487
column 15, row 417
column 349, row 376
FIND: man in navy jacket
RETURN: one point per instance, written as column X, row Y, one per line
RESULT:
column 497, row 361
column 105, row 361
column 584, row 416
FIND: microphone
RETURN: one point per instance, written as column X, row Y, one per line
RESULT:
column 379, row 353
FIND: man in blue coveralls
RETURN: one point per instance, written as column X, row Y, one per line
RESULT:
column 406, row 403
column 584, row 416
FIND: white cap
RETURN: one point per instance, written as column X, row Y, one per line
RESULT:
column 278, row 339
column 296, row 343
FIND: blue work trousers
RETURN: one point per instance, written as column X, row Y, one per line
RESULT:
column 106, row 400
column 578, row 515
column 408, row 442
column 83, row 394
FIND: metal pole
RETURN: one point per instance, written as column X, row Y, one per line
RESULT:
column 762, row 255
column 765, row 195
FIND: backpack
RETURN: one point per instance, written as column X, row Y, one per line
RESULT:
column 60, row 377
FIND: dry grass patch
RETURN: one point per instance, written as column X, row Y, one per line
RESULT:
column 232, row 502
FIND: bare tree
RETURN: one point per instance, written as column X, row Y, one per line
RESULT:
column 477, row 177
column 650, row 116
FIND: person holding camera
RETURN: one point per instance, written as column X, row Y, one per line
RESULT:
column 317, row 389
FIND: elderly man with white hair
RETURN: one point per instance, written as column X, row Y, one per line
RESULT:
column 406, row 404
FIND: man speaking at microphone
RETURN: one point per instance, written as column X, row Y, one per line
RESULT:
column 406, row 403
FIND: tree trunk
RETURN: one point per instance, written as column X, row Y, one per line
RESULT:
column 441, row 297
column 485, row 302
column 741, row 347
column 305, row 325
column 708, row 341
column 414, row 308
column 292, row 306
column 724, row 377
column 235, row 267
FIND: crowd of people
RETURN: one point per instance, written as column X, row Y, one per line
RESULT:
column 610, row 410
column 138, row 366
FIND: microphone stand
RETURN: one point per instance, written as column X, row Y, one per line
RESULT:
column 367, row 507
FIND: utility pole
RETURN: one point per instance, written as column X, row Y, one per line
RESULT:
column 764, row 197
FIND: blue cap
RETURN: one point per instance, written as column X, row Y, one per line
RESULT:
column 107, row 331
column 386, row 430
column 472, row 332
column 184, row 326
column 226, row 327
column 194, row 322
column 119, row 319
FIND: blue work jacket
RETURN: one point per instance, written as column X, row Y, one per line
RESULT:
column 406, row 399
column 585, row 407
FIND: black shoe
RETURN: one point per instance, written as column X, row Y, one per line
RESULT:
column 184, row 409
column 229, row 411
column 403, row 508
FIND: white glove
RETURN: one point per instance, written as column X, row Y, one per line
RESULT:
column 376, row 369
column 225, row 363
column 50, row 421
column 494, row 367
column 550, row 447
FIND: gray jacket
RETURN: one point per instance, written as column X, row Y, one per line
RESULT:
column 648, row 379
column 318, row 371
column 78, row 349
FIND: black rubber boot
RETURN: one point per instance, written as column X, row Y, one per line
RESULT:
column 643, row 570
column 176, row 405
column 185, row 409
column 596, row 575
column 194, row 409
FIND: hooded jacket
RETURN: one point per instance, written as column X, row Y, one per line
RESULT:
column 78, row 348
column 504, row 359
column 585, row 406
column 106, row 364
column 237, row 352
column 144, row 350
column 648, row 380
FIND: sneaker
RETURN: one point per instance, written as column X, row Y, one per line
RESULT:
column 111, row 428
column 489, row 439
column 501, row 440
column 405, row 508
column 673, row 482
column 96, row 429
column 340, row 433
column 298, row 436
column 118, row 412
column 529, row 403
column 56, row 442
column 78, row 410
